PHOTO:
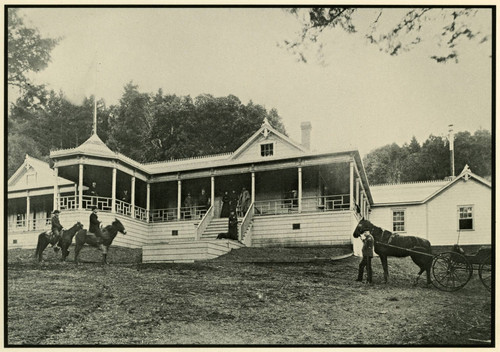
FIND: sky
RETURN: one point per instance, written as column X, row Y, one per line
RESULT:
column 357, row 97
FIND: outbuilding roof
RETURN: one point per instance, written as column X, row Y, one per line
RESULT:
column 417, row 192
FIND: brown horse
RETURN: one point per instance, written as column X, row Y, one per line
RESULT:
column 108, row 235
column 63, row 241
column 388, row 244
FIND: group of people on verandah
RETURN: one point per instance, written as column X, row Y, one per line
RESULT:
column 233, row 202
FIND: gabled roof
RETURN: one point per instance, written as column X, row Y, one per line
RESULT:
column 418, row 192
column 265, row 130
column 44, row 176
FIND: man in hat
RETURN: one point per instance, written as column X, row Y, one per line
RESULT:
column 56, row 229
column 94, row 226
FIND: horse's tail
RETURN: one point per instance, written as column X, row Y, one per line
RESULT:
column 39, row 244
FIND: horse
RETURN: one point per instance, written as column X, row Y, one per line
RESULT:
column 67, row 238
column 108, row 235
column 63, row 241
column 388, row 244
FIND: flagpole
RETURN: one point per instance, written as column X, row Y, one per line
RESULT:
column 95, row 96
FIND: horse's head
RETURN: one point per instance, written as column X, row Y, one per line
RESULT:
column 363, row 225
column 119, row 226
column 79, row 225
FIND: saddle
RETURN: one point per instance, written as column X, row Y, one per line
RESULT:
column 94, row 236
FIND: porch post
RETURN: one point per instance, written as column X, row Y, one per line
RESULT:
column 113, row 191
column 132, row 197
column 179, row 194
column 212, row 191
column 351, row 185
column 357, row 193
column 56, row 190
column 80, row 187
column 148, row 198
column 362, row 205
column 253, row 187
column 300, row 190
column 28, row 210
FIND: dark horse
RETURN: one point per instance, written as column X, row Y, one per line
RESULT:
column 64, row 241
column 388, row 244
column 108, row 235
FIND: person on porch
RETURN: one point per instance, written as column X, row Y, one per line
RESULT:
column 225, row 205
column 244, row 201
column 233, row 201
column 188, row 205
column 203, row 202
column 125, row 196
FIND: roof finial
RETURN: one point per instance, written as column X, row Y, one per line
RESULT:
column 94, row 127
column 266, row 121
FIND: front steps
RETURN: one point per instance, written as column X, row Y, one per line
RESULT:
column 215, row 227
column 187, row 251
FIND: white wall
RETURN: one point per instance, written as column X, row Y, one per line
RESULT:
column 437, row 220
column 331, row 228
column 443, row 214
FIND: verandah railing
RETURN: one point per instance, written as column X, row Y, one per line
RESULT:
column 261, row 207
column 29, row 225
column 245, row 223
column 309, row 204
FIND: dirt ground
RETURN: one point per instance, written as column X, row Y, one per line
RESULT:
column 277, row 299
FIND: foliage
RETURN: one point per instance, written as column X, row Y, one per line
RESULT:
column 145, row 127
column 42, row 120
column 27, row 50
column 155, row 127
column 431, row 161
column 445, row 28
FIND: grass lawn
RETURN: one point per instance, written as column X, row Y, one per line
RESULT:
column 230, row 301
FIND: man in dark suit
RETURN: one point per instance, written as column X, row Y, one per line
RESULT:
column 94, row 226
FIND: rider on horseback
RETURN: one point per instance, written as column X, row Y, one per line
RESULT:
column 56, row 229
column 94, row 226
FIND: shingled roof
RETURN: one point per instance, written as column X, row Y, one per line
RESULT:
column 417, row 192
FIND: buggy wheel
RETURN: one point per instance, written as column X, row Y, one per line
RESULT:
column 485, row 272
column 451, row 271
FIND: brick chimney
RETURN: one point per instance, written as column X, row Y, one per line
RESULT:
column 306, row 134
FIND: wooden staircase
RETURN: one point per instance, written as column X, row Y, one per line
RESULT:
column 215, row 227
column 188, row 250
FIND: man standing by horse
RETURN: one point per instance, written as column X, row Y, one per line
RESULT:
column 368, row 243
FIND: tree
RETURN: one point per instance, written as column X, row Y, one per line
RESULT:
column 158, row 127
column 431, row 161
column 27, row 51
column 131, row 123
column 415, row 26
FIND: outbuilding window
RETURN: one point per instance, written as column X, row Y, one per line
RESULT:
column 398, row 220
column 267, row 149
column 466, row 217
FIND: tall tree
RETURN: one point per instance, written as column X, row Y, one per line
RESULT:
column 431, row 161
column 27, row 51
column 416, row 25
column 131, row 123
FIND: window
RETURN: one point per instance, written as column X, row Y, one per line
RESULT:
column 465, row 218
column 398, row 220
column 266, row 149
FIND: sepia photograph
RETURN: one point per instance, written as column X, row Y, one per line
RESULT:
column 249, row 175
